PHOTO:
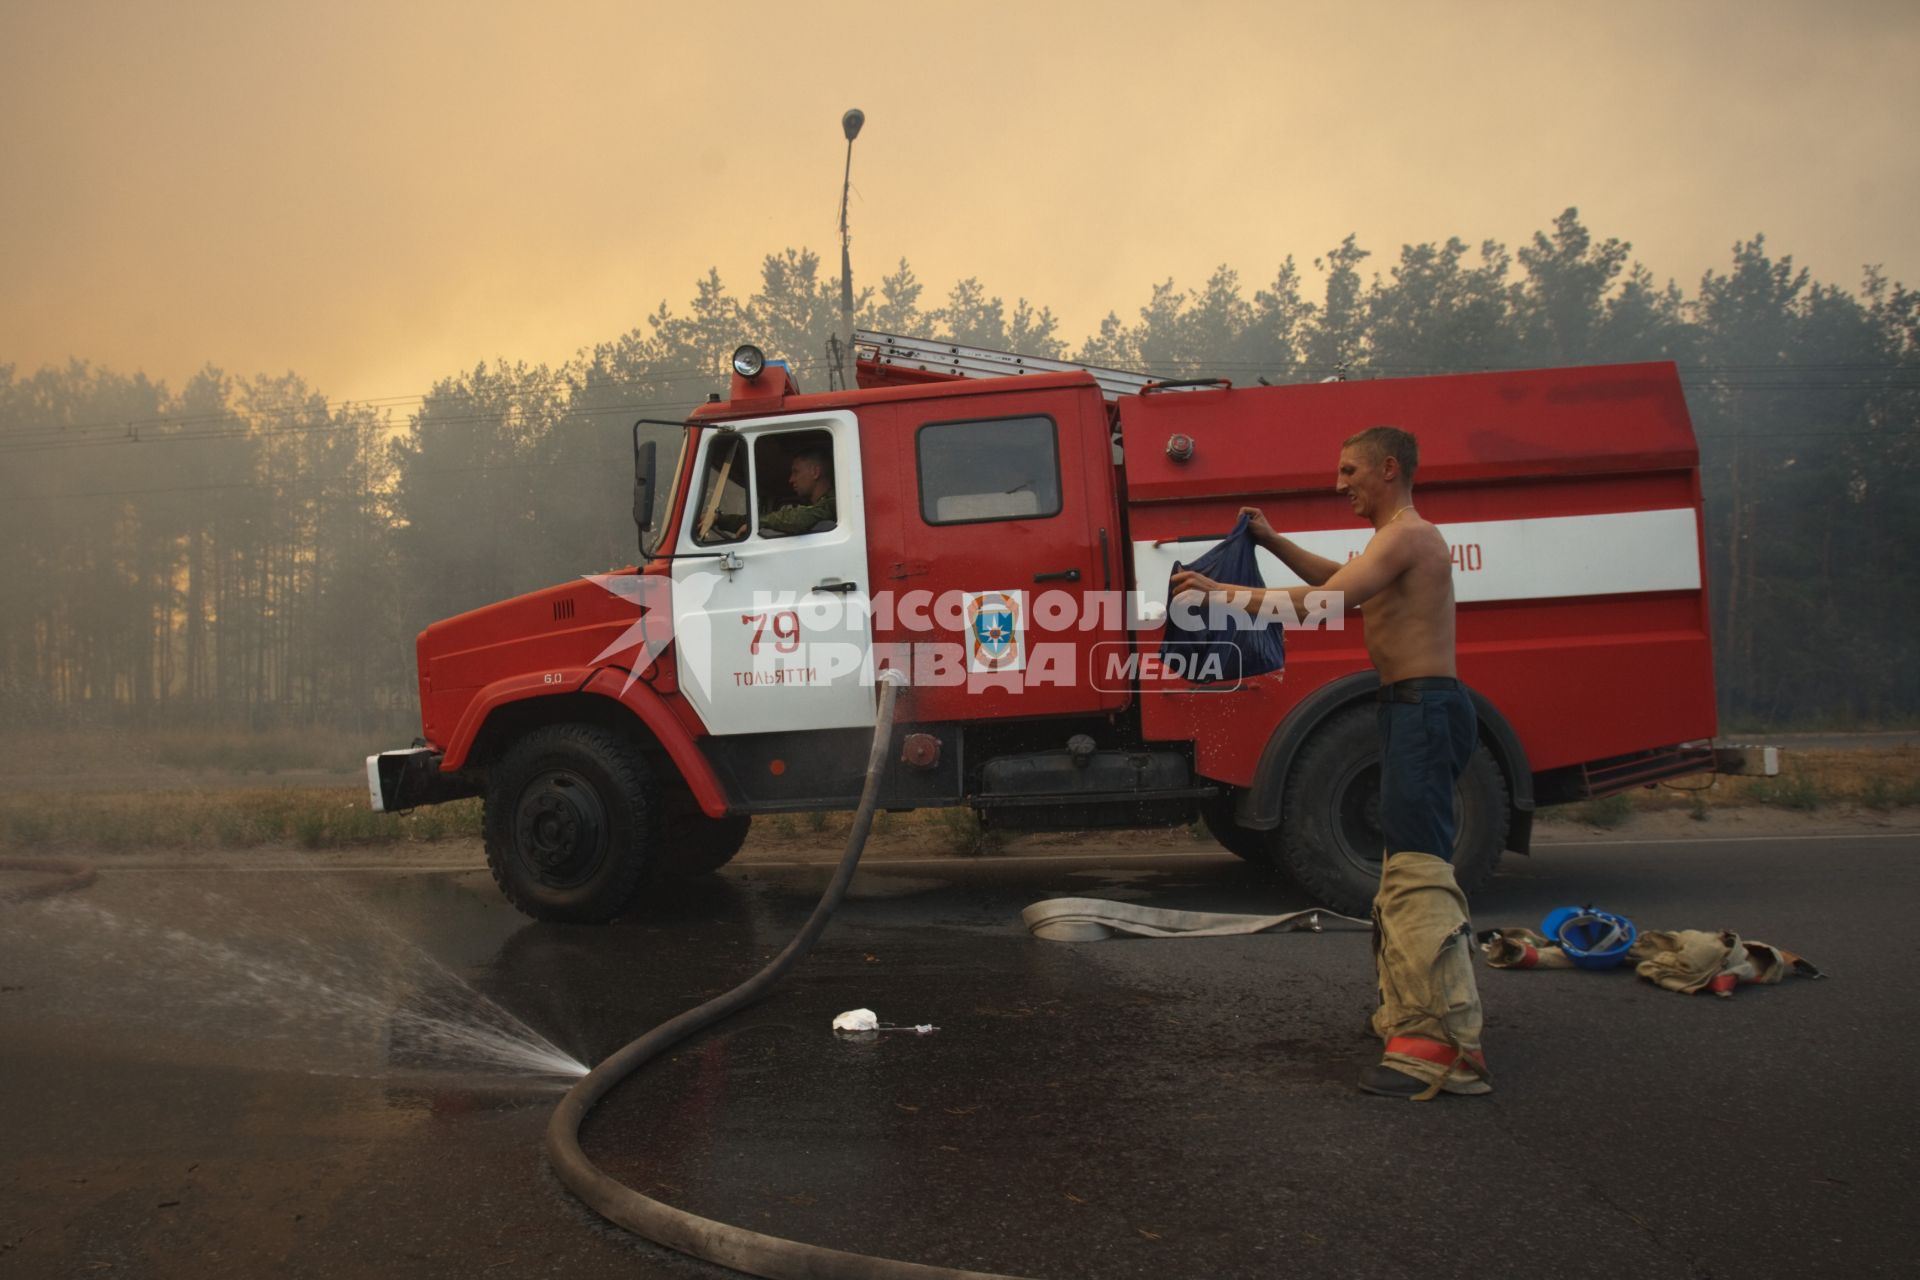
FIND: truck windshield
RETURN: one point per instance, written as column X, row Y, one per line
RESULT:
column 668, row 441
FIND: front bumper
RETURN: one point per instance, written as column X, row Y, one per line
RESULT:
column 408, row 779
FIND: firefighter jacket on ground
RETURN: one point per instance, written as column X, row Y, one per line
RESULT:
column 1686, row 960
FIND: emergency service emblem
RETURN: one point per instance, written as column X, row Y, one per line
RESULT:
column 996, row 631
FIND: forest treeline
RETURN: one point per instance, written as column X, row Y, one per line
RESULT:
column 245, row 551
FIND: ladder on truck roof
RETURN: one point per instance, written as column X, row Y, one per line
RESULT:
column 948, row 359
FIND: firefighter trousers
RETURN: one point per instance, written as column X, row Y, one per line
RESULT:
column 1429, row 1014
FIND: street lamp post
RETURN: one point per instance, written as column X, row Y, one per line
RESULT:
column 850, row 125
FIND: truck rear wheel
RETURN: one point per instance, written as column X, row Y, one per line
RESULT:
column 1330, row 838
column 1243, row 842
column 570, row 823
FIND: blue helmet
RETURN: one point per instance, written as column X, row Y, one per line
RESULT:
column 1592, row 938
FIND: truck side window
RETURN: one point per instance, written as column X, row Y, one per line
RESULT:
column 997, row 469
column 722, row 510
column 794, row 476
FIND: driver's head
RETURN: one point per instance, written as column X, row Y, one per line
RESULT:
column 811, row 474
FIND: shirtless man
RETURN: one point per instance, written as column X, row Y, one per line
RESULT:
column 1430, row 1011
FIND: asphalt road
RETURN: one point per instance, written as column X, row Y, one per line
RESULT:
column 209, row 1073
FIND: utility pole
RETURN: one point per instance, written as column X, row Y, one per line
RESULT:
column 843, row 348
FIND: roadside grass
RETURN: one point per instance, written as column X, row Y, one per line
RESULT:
column 271, row 751
column 1795, row 791
column 1607, row 812
column 955, row 830
column 965, row 834
column 232, row 818
column 105, row 753
column 1809, row 781
column 1881, row 792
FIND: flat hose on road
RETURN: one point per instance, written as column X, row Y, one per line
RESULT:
column 1096, row 919
column 730, row 1246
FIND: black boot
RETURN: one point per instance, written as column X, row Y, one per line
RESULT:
column 1386, row 1082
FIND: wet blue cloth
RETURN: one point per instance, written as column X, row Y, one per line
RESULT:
column 1424, row 747
column 1242, row 647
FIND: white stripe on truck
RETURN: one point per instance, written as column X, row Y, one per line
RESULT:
column 1553, row 557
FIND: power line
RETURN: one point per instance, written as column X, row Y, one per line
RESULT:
column 188, row 437
column 343, row 404
column 256, row 484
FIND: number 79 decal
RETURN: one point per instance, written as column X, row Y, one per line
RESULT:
column 785, row 627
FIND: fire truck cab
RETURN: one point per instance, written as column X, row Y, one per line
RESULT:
column 1000, row 531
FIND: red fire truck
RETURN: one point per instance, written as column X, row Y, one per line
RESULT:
column 1000, row 530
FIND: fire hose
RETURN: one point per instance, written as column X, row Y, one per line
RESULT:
column 730, row 1246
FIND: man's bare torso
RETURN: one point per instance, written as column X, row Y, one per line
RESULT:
column 1410, row 622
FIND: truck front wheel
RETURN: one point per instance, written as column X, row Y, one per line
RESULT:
column 1330, row 838
column 692, row 844
column 570, row 823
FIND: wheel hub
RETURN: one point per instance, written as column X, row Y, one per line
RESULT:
column 560, row 828
column 1357, row 817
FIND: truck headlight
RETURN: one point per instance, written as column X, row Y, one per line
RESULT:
column 748, row 361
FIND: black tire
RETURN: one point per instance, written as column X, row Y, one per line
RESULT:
column 570, row 823
column 692, row 844
column 1330, row 840
column 1243, row 842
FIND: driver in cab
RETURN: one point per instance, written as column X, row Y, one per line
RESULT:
column 811, row 478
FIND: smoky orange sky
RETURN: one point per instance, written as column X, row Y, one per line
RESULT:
column 376, row 194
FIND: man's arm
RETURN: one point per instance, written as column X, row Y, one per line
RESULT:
column 1308, row 567
column 798, row 519
column 1358, row 580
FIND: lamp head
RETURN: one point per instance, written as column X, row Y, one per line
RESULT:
column 748, row 362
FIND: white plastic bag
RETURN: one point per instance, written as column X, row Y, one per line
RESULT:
column 857, row 1020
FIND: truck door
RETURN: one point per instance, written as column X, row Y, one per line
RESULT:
column 1010, row 525
column 770, row 578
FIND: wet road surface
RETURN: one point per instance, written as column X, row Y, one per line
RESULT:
column 214, row 1073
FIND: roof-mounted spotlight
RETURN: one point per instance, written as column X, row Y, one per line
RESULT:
column 748, row 361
